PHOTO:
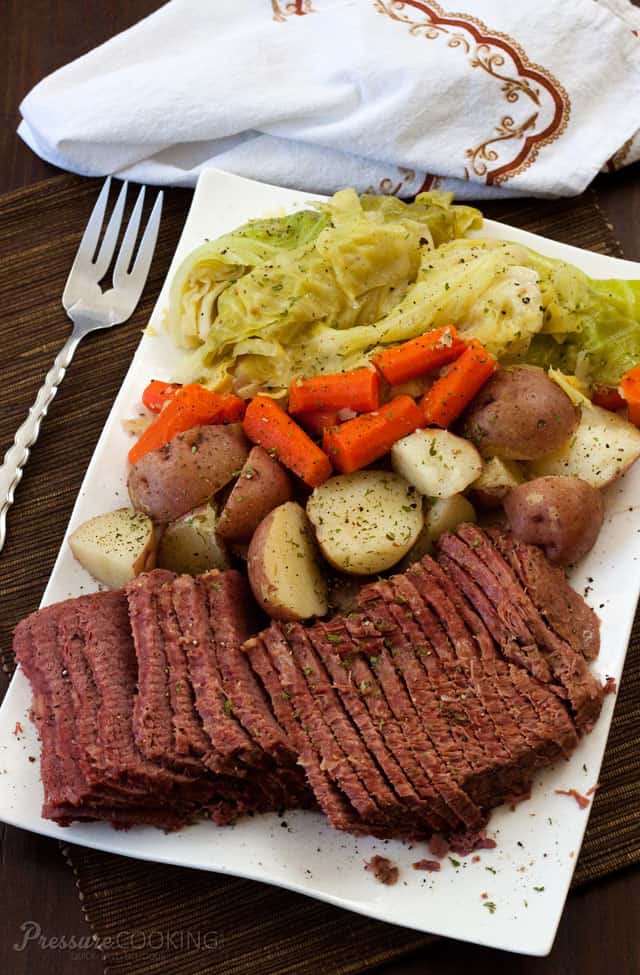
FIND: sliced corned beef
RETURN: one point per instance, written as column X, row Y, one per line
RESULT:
column 153, row 716
column 562, row 607
column 333, row 803
column 228, row 594
column 233, row 749
column 363, row 698
column 189, row 737
column 336, row 718
column 334, row 759
column 411, row 699
column 456, row 717
column 495, row 605
column 585, row 693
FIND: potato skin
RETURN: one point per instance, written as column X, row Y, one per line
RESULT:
column 520, row 414
column 184, row 473
column 263, row 484
column 283, row 571
column 563, row 515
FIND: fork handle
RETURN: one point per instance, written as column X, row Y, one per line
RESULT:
column 17, row 455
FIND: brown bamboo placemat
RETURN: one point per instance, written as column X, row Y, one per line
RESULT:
column 209, row 923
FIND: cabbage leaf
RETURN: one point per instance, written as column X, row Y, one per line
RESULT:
column 321, row 289
column 591, row 327
column 257, row 305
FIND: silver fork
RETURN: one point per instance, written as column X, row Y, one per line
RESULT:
column 89, row 308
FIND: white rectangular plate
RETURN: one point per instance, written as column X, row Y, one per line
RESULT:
column 538, row 843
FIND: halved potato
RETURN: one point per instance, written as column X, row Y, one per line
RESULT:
column 190, row 544
column 603, row 447
column 263, row 484
column 365, row 522
column 497, row 478
column 436, row 462
column 441, row 515
column 115, row 547
column 283, row 570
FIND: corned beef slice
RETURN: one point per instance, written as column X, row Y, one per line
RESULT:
column 77, row 784
column 471, row 547
column 562, row 607
column 439, row 696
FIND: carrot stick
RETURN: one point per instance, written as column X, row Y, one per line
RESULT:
column 267, row 424
column 157, row 393
column 450, row 394
column 358, row 389
column 190, row 406
column 608, row 398
column 630, row 387
column 418, row 356
column 316, row 421
column 359, row 442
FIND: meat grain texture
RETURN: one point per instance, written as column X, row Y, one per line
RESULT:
column 440, row 695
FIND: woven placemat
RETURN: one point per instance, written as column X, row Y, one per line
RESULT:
column 203, row 922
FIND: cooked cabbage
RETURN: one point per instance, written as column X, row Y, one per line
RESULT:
column 319, row 290
column 255, row 305
column 591, row 328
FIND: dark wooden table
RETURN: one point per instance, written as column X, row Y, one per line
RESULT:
column 599, row 930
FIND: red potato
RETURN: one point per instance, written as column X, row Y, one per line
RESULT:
column 263, row 484
column 283, row 571
column 172, row 480
column 563, row 515
column 520, row 414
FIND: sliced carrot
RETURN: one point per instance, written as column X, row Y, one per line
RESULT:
column 190, row 406
column 451, row 393
column 157, row 393
column 359, row 442
column 316, row 421
column 267, row 424
column 418, row 356
column 630, row 388
column 357, row 389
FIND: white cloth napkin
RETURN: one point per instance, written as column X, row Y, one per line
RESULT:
column 506, row 98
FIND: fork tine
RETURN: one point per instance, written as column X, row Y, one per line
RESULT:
column 91, row 235
column 110, row 239
column 140, row 269
column 128, row 243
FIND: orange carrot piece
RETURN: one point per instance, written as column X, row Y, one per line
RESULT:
column 608, row 397
column 157, row 393
column 630, row 388
column 316, row 421
column 418, row 356
column 357, row 389
column 359, row 442
column 267, row 424
column 231, row 409
column 451, row 393
column 190, row 406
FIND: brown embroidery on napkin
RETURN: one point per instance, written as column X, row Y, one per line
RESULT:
column 296, row 9
column 390, row 186
column 618, row 159
column 499, row 56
